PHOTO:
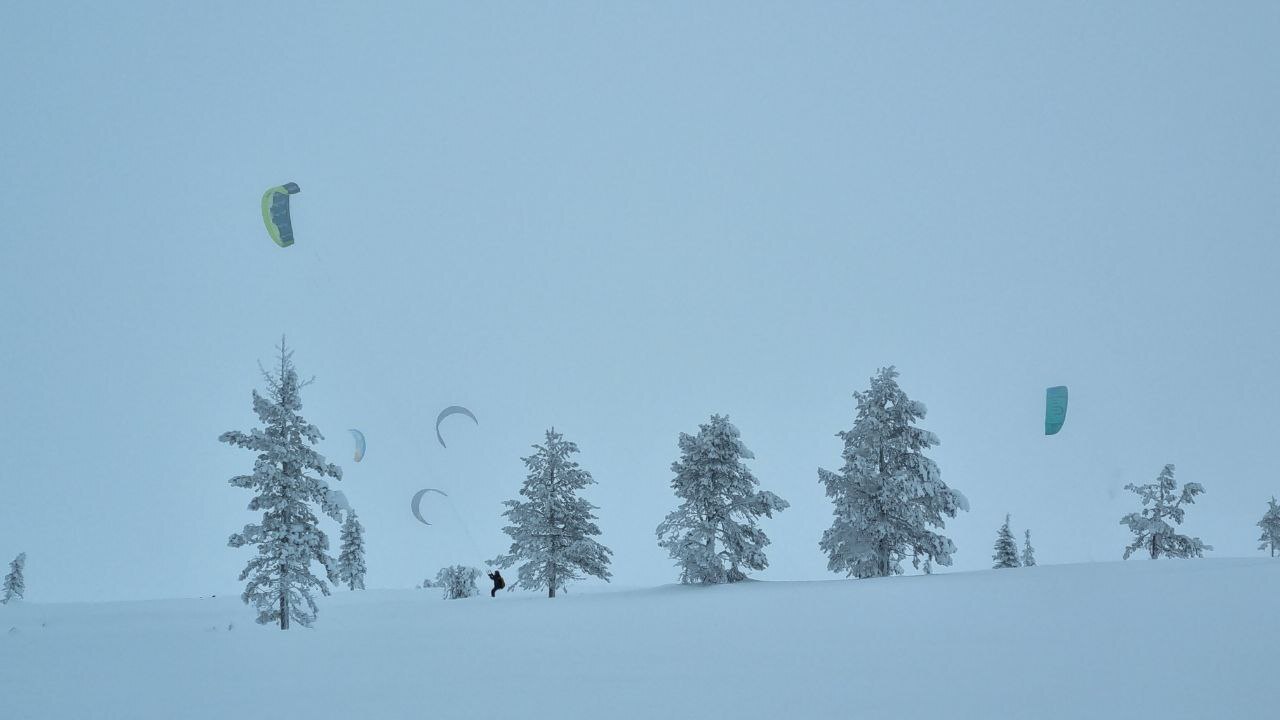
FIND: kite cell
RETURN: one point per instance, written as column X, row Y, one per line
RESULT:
column 1055, row 409
column 275, row 213
column 417, row 503
column 452, row 410
column 359, row 438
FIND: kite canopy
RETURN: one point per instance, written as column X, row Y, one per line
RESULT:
column 275, row 213
column 452, row 410
column 416, row 503
column 359, row 439
column 1055, row 409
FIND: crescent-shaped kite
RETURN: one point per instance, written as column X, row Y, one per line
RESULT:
column 452, row 410
column 417, row 503
column 359, row 438
column 1055, row 409
column 275, row 213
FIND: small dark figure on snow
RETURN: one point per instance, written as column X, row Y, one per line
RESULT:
column 498, row 582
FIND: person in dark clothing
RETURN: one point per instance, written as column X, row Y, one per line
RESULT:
column 498, row 583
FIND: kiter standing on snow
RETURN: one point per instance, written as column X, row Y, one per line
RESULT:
column 498, row 582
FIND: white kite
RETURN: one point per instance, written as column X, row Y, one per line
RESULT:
column 452, row 410
column 417, row 503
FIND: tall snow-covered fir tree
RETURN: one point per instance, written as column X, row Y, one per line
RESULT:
column 1006, row 549
column 1028, row 552
column 458, row 581
column 288, row 478
column 351, row 554
column 713, row 535
column 14, row 584
column 1270, row 524
column 888, row 494
column 1151, row 528
column 552, row 529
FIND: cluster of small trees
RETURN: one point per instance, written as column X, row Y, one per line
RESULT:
column 888, row 498
column 1006, row 549
column 1152, row 527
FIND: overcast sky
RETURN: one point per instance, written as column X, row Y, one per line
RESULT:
column 618, row 219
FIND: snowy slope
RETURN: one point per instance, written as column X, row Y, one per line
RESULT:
column 1168, row 639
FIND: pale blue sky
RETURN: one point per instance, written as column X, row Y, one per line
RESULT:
column 618, row 219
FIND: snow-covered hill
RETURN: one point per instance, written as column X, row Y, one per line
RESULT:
column 1168, row 639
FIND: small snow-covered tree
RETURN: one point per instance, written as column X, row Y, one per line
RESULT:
column 887, row 495
column 458, row 581
column 720, row 505
column 552, row 530
column 14, row 584
column 1028, row 552
column 1270, row 524
column 1006, row 549
column 288, row 478
column 351, row 555
column 1151, row 527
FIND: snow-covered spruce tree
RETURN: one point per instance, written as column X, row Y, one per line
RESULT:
column 458, row 581
column 1270, row 524
column 14, row 585
column 351, row 554
column 1151, row 527
column 552, row 529
column 888, row 494
column 1028, row 552
column 720, row 505
column 288, row 477
column 1006, row 549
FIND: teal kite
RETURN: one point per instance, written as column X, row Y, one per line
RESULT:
column 1055, row 409
column 275, row 213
